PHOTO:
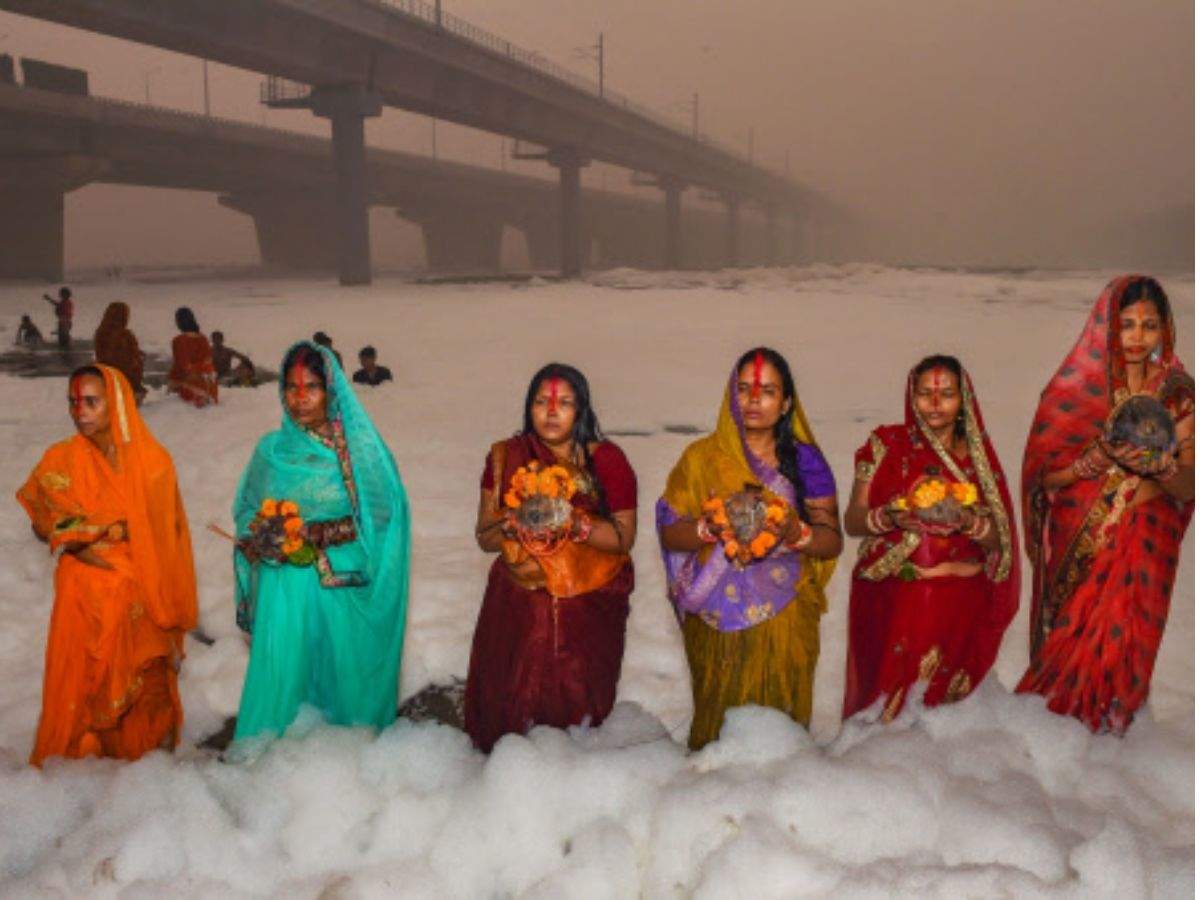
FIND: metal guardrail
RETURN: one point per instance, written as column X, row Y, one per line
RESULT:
column 276, row 89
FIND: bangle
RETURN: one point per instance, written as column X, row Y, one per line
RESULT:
column 980, row 528
column 1169, row 471
column 703, row 532
column 583, row 528
column 1083, row 467
column 878, row 520
column 806, row 536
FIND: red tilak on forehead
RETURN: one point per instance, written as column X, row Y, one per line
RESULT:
column 296, row 377
column 940, row 378
column 553, row 399
column 758, row 367
column 75, row 390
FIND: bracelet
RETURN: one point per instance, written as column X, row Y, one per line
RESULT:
column 1083, row 468
column 980, row 528
column 583, row 528
column 877, row 520
column 703, row 532
column 806, row 536
column 1169, row 471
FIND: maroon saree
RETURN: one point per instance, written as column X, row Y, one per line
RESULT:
column 538, row 659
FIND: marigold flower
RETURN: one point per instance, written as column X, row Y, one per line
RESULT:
column 292, row 526
column 965, row 493
column 292, row 545
column 268, row 508
column 511, row 500
column 288, row 508
column 731, row 549
column 762, row 543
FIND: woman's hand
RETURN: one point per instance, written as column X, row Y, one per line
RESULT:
column 796, row 534
column 86, row 553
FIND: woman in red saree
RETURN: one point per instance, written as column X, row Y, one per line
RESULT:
column 551, row 632
column 106, row 501
column 1103, row 528
column 928, row 605
column 116, row 346
column 192, row 374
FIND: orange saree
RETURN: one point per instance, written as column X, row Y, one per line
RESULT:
column 116, row 634
column 192, row 375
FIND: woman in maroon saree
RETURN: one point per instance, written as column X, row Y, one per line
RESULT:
column 551, row 631
column 192, row 374
column 928, row 606
column 1103, row 529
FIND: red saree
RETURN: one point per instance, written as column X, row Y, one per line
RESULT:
column 538, row 659
column 192, row 375
column 1103, row 569
column 946, row 630
column 116, row 634
column 115, row 345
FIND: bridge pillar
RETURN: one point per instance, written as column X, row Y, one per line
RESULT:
column 570, row 211
column 773, row 249
column 294, row 232
column 673, row 194
column 731, row 231
column 458, row 240
column 346, row 108
column 31, row 211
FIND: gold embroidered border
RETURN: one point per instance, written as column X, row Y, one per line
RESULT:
column 987, row 478
column 865, row 470
column 890, row 562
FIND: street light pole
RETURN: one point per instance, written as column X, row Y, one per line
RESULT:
column 600, row 60
column 207, row 107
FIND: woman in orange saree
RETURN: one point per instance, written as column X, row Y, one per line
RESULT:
column 192, row 374
column 1104, row 523
column 107, row 503
column 116, row 346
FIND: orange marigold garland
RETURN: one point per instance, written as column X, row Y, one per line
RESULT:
column 748, row 524
column 277, row 532
column 936, row 501
column 538, row 501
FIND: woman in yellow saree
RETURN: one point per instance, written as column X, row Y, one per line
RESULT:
column 751, row 628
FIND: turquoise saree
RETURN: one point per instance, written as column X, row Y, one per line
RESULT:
column 331, row 639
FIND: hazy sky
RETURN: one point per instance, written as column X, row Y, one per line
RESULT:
column 959, row 128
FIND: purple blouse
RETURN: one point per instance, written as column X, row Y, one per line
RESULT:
column 729, row 598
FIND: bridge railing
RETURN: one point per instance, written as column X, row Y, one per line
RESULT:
column 430, row 14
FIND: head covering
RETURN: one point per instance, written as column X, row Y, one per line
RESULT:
column 185, row 320
column 294, row 463
column 159, row 541
column 1075, row 405
column 1004, row 567
column 720, row 465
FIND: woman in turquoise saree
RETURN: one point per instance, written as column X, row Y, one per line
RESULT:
column 321, row 565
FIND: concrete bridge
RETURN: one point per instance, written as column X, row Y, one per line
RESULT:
column 359, row 55
column 52, row 143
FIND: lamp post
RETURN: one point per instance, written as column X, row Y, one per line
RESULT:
column 594, row 51
column 146, row 78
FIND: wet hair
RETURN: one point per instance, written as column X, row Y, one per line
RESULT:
column 64, row 292
column 785, row 440
column 312, row 360
column 82, row 371
column 367, row 351
column 1146, row 288
column 952, row 365
column 586, row 429
column 185, row 320
column 320, row 337
column 218, row 335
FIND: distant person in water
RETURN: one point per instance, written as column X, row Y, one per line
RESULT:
column 28, row 335
column 371, row 373
column 64, row 311
column 224, row 356
column 115, row 345
column 192, row 376
column 326, row 341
